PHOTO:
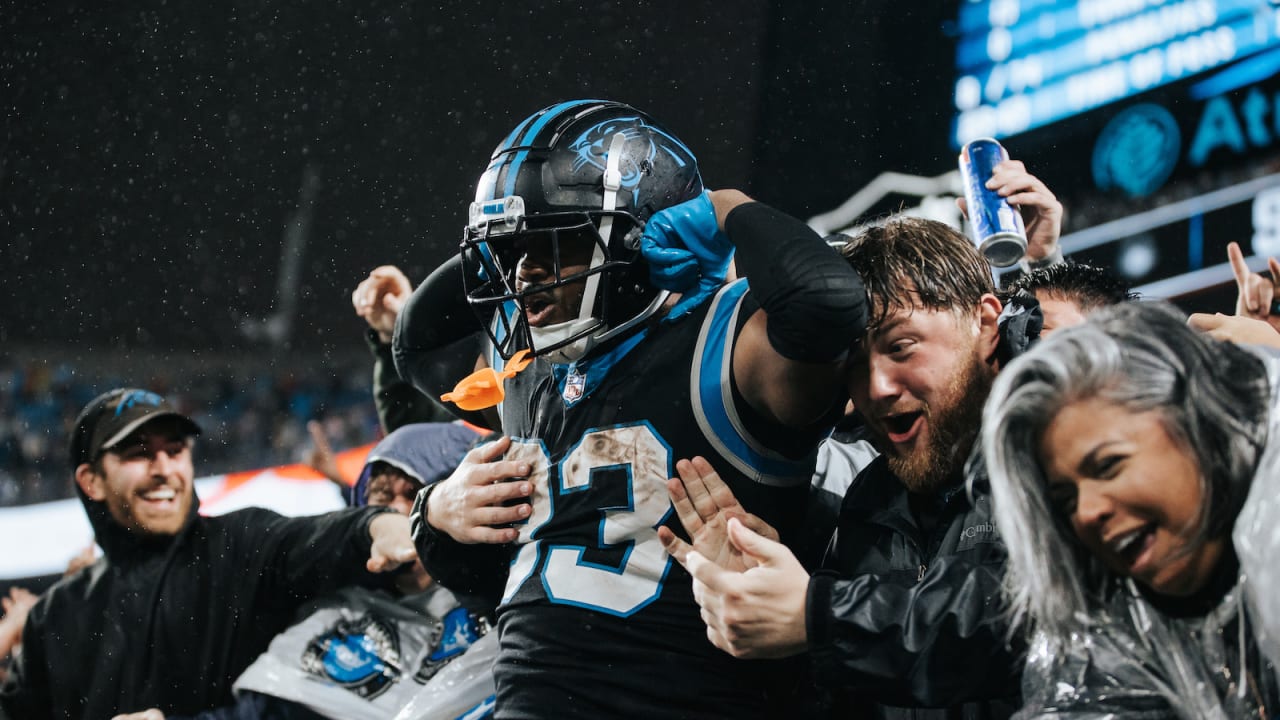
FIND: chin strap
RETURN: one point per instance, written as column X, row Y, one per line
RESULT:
column 612, row 183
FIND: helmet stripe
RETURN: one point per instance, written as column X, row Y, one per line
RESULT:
column 491, row 172
column 511, row 139
column 551, row 114
column 497, row 162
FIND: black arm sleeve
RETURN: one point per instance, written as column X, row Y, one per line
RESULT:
column 294, row 559
column 476, row 574
column 438, row 337
column 398, row 402
column 816, row 303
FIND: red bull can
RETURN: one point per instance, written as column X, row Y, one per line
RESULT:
column 994, row 225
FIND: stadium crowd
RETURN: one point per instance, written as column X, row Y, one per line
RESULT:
column 253, row 417
column 734, row 469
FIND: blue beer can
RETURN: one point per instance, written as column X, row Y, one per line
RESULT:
column 994, row 225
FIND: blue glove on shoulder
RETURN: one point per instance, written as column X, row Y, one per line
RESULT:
column 687, row 252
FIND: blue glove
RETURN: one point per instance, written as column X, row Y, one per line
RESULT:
column 687, row 252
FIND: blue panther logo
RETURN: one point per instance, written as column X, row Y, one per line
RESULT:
column 137, row 397
column 592, row 147
column 361, row 655
column 450, row 638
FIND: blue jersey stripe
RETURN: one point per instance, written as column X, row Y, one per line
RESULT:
column 713, row 399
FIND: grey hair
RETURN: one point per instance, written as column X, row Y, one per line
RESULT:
column 1211, row 397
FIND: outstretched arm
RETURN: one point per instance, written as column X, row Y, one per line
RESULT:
column 1236, row 329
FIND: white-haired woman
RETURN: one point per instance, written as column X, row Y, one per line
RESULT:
column 1135, row 472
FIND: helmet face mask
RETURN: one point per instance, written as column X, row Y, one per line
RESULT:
column 571, row 255
column 571, row 186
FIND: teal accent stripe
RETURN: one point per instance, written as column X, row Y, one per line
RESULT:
column 711, row 381
column 534, row 129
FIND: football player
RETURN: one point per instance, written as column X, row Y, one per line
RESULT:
column 593, row 248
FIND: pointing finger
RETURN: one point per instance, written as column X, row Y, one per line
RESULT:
column 318, row 437
column 1238, row 266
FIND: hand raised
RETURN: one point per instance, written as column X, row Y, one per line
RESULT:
column 1254, row 292
column 471, row 504
column 322, row 458
column 379, row 298
column 18, row 601
column 704, row 504
column 1040, row 209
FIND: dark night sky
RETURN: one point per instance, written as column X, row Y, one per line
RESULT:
column 153, row 153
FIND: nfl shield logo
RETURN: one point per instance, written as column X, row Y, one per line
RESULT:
column 574, row 385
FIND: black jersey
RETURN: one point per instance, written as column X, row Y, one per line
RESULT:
column 597, row 620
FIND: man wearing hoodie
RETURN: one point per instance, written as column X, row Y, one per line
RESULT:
column 179, row 604
column 373, row 654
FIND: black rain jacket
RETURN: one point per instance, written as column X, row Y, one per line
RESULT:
column 171, row 623
column 908, row 624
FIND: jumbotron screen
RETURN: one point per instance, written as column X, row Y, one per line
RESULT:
column 1022, row 64
column 1156, row 123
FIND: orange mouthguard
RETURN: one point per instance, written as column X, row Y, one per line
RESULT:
column 483, row 388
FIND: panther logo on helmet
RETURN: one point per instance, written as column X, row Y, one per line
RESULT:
column 592, row 148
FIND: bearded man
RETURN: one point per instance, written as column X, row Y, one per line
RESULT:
column 179, row 604
column 905, row 612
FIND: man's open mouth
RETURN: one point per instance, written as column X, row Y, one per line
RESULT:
column 903, row 427
column 538, row 310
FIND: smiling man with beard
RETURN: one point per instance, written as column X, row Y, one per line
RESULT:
column 904, row 618
column 178, row 604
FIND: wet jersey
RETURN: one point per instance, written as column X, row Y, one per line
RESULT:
column 596, row 619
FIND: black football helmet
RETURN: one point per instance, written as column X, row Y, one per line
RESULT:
column 580, row 171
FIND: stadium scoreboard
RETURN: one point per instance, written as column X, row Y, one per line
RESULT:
column 1023, row 64
column 1156, row 122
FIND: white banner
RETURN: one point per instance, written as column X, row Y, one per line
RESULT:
column 41, row 539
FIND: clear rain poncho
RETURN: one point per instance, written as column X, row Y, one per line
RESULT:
column 1137, row 662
